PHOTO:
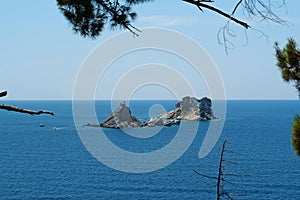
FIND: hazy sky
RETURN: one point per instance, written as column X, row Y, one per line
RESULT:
column 40, row 55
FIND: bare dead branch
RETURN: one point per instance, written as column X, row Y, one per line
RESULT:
column 205, row 176
column 236, row 6
column 234, row 152
column 230, row 162
column 237, row 175
column 229, row 182
column 220, row 171
column 201, row 5
column 3, row 94
column 22, row 110
column 222, row 192
column 227, row 195
column 224, row 33
column 263, row 10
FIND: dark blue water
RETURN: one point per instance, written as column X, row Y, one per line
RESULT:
column 43, row 163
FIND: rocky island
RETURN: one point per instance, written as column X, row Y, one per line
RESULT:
column 189, row 109
column 121, row 118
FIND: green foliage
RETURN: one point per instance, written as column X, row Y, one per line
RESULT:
column 296, row 134
column 88, row 17
column 288, row 61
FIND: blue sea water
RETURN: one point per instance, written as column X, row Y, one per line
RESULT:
column 45, row 163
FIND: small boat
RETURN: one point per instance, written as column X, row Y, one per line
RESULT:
column 42, row 125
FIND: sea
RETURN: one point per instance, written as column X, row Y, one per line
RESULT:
column 52, row 162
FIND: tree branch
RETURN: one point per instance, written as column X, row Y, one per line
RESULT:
column 205, row 176
column 22, row 110
column 220, row 171
column 3, row 94
column 113, row 12
column 200, row 5
column 236, row 6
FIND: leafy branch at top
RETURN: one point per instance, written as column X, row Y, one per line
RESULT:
column 89, row 17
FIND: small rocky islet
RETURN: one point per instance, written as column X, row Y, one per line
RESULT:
column 189, row 109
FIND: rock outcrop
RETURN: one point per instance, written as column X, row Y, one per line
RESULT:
column 189, row 109
column 206, row 112
column 121, row 118
column 194, row 109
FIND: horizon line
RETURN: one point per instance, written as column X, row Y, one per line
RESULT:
column 139, row 99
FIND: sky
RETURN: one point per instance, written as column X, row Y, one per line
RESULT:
column 41, row 56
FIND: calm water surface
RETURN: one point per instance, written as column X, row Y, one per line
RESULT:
column 43, row 163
